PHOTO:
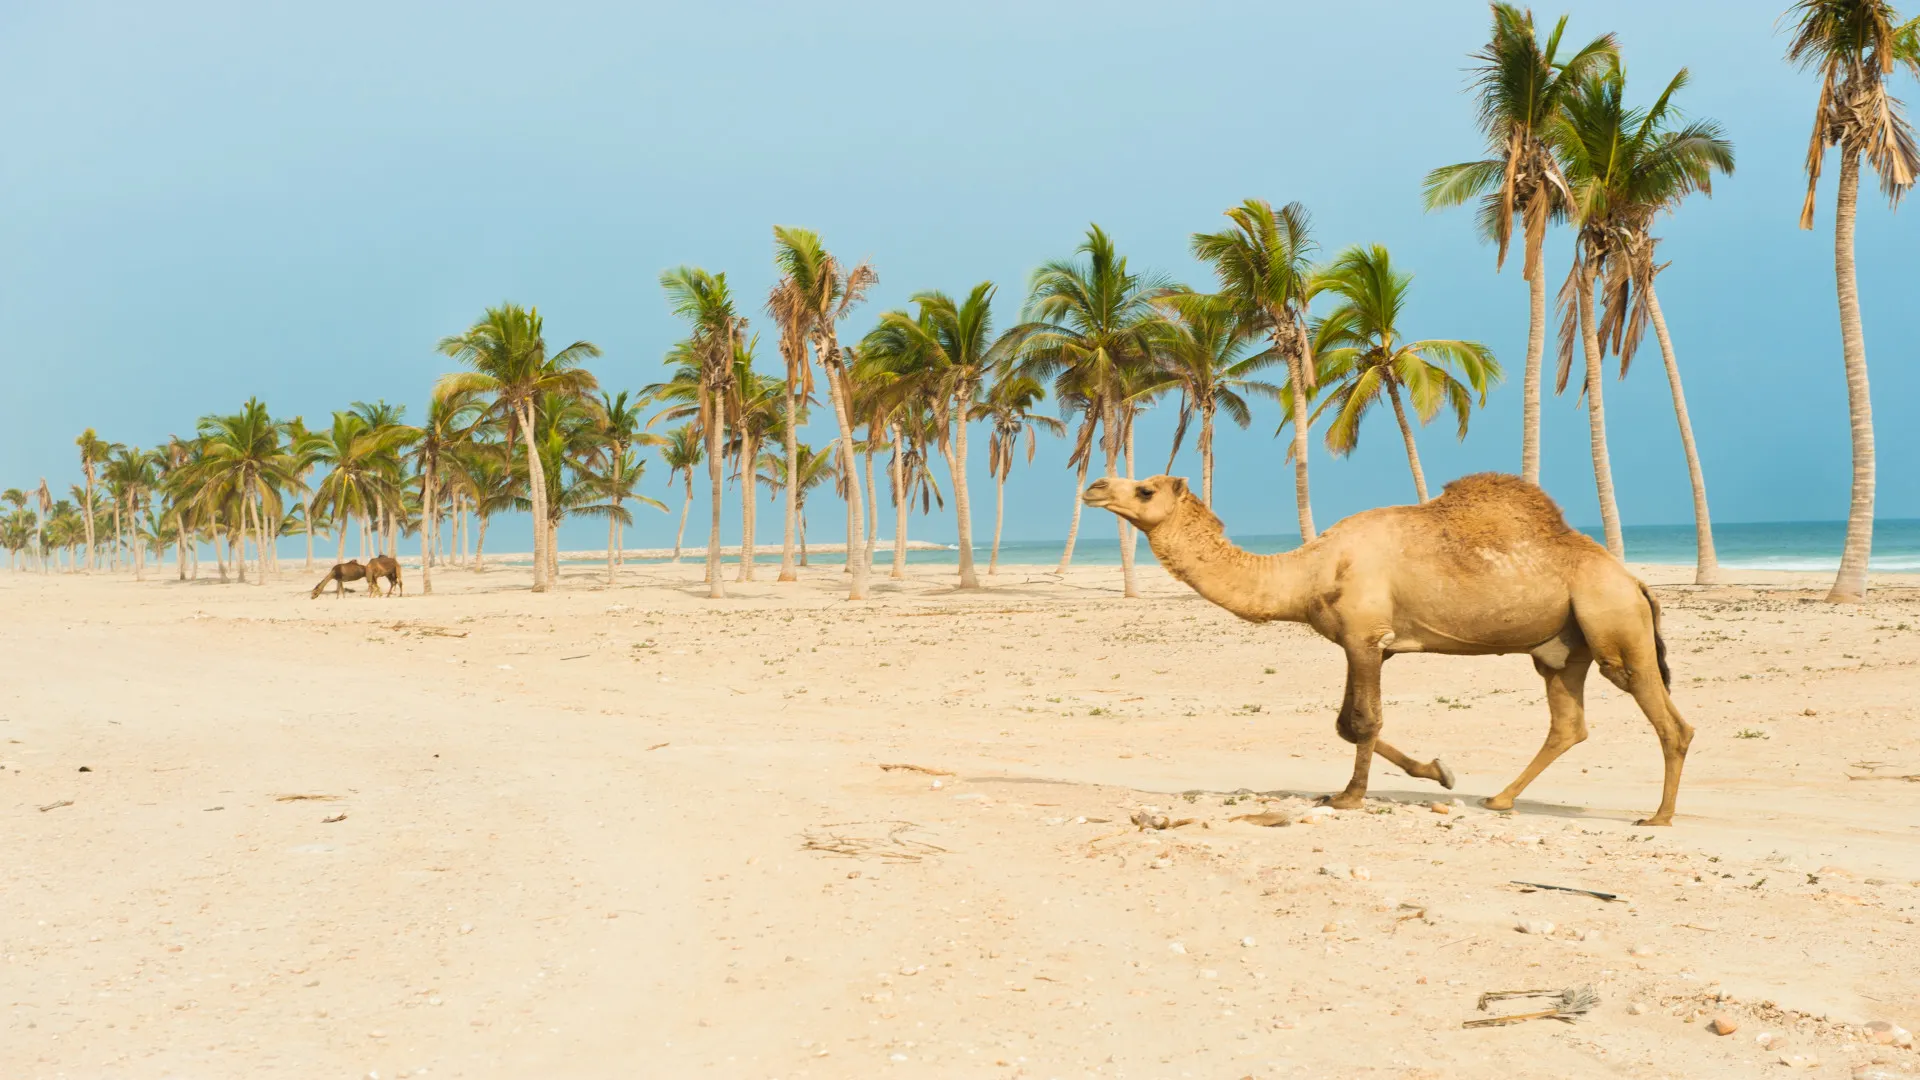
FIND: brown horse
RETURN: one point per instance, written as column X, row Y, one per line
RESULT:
column 338, row 578
column 384, row 566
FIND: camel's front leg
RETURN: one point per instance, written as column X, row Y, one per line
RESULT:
column 1359, row 721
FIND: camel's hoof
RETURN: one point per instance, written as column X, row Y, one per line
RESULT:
column 1340, row 802
column 1493, row 803
column 1654, row 822
column 1446, row 774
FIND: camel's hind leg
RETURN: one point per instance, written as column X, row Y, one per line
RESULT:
column 1359, row 722
column 1629, row 658
column 1566, row 726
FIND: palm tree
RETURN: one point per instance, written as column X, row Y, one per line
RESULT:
column 944, row 355
column 1092, row 325
column 822, row 292
column 359, row 476
column 1205, row 352
column 1650, row 166
column 508, row 354
column 621, row 429
column 1521, row 86
column 1363, row 355
column 754, row 415
column 244, row 460
column 682, row 453
column 93, row 452
column 1263, row 264
column 1008, row 408
column 495, row 489
column 809, row 470
column 704, row 300
column 450, row 422
column 131, row 474
column 1855, row 45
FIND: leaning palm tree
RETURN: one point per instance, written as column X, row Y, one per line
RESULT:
column 1652, row 164
column 1092, row 329
column 1007, row 407
column 823, row 291
column 1364, row 356
column 508, row 354
column 1521, row 86
column 704, row 300
column 1264, row 270
column 94, row 451
column 1206, row 351
column 243, row 461
column 682, row 454
column 1855, row 45
column 620, row 430
column 450, row 421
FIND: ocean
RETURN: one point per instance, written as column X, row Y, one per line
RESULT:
column 1792, row 545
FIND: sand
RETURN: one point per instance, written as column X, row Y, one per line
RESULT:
column 628, row 832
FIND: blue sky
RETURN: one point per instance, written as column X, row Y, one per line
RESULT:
column 202, row 202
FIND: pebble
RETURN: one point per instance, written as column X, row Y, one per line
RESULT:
column 1642, row 950
column 1161, row 863
column 1540, row 927
column 1361, row 873
column 1799, row 1061
column 1177, row 947
column 1886, row 1033
column 937, row 785
column 1723, row 1025
column 1335, row 870
column 1637, row 1009
column 899, row 1057
column 1875, row 1072
column 466, row 928
column 1440, row 808
column 1247, row 943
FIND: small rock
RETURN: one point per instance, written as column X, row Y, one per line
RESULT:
column 1177, row 947
column 1330, row 928
column 433, row 1001
column 1637, row 1009
column 1209, row 973
column 1881, row 1032
column 1540, row 927
column 1440, row 808
column 898, row 1057
column 1335, row 870
column 466, row 928
column 1246, row 943
column 1799, row 1061
column 1642, row 951
column 1723, row 1025
column 1589, row 934
column 376, row 1033
column 1875, row 1072
column 1161, row 863
column 937, row 785
column 1361, row 873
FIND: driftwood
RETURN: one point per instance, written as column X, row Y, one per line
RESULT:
column 1568, row 888
column 916, row 768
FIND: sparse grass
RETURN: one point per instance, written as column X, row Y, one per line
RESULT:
column 1751, row 733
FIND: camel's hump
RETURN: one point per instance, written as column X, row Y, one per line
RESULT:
column 1508, row 498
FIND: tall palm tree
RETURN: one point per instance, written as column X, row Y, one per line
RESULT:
column 1007, row 407
column 496, row 489
column 809, row 470
column 358, row 479
column 1264, row 266
column 93, row 452
column 754, row 415
column 131, row 472
column 1206, row 351
column 508, row 353
column 449, row 424
column 823, row 292
column 704, row 300
column 1092, row 325
column 1855, row 45
column 1364, row 355
column 1652, row 162
column 1521, row 85
column 944, row 355
column 682, row 453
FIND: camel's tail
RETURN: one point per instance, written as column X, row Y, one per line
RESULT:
column 1659, row 642
column 324, row 582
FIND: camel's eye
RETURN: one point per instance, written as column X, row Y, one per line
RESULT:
column 1144, row 492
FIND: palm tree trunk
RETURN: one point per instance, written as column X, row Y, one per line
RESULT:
column 873, row 503
column 710, row 410
column 93, row 554
column 897, row 467
column 340, row 529
column 962, row 503
column 1597, row 416
column 803, row 535
column 1406, row 434
column 537, row 494
column 1536, row 349
column 480, row 549
column 684, row 507
column 309, row 515
column 1111, row 436
column 999, row 519
column 180, row 544
column 119, row 533
column 429, row 525
column 789, row 515
column 838, row 389
column 1707, row 572
column 1073, row 530
column 749, row 450
column 1297, row 379
column 1206, row 456
column 1850, row 585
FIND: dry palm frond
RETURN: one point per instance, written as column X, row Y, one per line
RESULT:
column 869, row 839
column 1571, row 1004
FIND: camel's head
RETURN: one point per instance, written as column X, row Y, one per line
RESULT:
column 1144, row 503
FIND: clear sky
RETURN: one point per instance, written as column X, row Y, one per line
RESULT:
column 201, row 202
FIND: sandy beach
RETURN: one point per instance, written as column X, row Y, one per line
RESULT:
column 628, row 832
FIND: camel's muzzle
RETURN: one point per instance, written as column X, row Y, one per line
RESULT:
column 1098, row 494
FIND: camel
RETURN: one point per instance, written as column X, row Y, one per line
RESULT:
column 384, row 566
column 338, row 578
column 1489, row 567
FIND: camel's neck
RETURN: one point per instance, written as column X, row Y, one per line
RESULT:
column 1259, row 588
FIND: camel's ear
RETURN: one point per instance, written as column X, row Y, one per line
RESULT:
column 1179, row 486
